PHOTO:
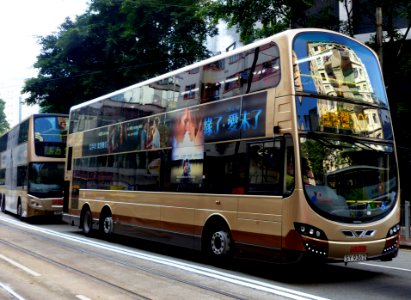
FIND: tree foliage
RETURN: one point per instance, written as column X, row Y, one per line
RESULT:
column 396, row 68
column 397, row 75
column 113, row 45
column 258, row 19
column 4, row 125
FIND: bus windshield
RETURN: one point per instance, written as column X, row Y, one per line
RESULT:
column 46, row 179
column 348, row 179
column 335, row 66
column 50, row 134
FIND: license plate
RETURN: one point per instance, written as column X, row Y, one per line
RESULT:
column 355, row 257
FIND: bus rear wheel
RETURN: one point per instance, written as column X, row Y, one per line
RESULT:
column 106, row 223
column 87, row 222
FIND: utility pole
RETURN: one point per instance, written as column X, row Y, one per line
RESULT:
column 378, row 17
column 20, row 108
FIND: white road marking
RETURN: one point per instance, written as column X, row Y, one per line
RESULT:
column 81, row 297
column 386, row 267
column 20, row 266
column 204, row 271
column 11, row 292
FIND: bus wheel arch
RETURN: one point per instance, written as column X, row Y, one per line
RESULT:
column 106, row 223
column 216, row 238
column 86, row 220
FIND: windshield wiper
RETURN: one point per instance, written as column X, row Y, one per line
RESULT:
column 328, row 139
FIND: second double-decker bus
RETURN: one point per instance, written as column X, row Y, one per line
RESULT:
column 281, row 149
column 32, row 157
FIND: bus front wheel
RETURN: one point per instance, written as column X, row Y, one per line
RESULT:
column 106, row 223
column 3, row 204
column 217, row 243
column 220, row 243
column 19, row 210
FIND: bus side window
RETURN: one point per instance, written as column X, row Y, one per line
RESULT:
column 265, row 169
column 224, row 168
column 187, row 89
column 290, row 167
column 21, row 176
column 211, row 87
column 23, row 132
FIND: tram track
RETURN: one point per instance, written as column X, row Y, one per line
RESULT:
column 67, row 267
column 123, row 262
column 222, row 285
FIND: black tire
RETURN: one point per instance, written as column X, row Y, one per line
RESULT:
column 217, row 244
column 3, row 204
column 19, row 210
column 87, row 223
column 106, row 224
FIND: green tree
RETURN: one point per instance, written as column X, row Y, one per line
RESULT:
column 113, row 45
column 257, row 19
column 396, row 64
column 397, row 75
column 4, row 125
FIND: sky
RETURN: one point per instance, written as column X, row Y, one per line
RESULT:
column 21, row 22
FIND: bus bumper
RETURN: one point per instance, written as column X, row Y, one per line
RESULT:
column 43, row 207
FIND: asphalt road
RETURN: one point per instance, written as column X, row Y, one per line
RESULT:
column 52, row 260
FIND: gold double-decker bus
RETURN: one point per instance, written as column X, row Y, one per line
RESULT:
column 32, row 158
column 281, row 149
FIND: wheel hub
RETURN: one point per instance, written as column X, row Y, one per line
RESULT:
column 108, row 225
column 220, row 243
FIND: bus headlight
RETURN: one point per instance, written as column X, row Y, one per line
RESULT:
column 392, row 239
column 35, row 204
column 394, row 230
column 314, row 239
column 310, row 231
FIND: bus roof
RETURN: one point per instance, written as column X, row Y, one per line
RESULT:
column 288, row 34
